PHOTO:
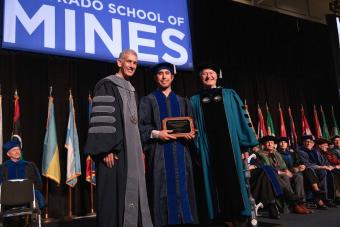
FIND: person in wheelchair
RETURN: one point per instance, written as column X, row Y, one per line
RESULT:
column 17, row 168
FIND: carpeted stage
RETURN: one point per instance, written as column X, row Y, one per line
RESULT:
column 329, row 218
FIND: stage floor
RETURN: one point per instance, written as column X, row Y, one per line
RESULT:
column 329, row 218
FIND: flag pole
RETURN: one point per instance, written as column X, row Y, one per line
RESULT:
column 92, row 207
column 70, row 214
column 46, row 198
column 46, row 218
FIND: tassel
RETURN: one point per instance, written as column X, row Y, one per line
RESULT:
column 220, row 76
column 174, row 69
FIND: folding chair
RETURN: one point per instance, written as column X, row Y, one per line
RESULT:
column 17, row 199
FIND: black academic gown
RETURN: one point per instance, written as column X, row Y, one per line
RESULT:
column 111, row 182
column 156, row 175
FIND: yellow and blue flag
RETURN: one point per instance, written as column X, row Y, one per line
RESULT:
column 50, row 161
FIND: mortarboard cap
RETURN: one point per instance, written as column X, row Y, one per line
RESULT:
column 280, row 139
column 264, row 139
column 211, row 66
column 307, row 137
column 322, row 141
column 335, row 137
column 164, row 65
column 11, row 144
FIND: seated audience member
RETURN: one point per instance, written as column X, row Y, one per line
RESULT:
column 315, row 161
column 296, row 166
column 336, row 145
column 16, row 168
column 270, row 157
column 264, row 185
column 293, row 164
column 334, row 161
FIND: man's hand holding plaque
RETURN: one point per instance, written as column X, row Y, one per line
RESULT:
column 179, row 127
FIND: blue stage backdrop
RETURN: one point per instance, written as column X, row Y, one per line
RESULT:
column 99, row 29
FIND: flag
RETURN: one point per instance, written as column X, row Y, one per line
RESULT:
column 16, row 116
column 72, row 146
column 335, row 128
column 50, row 161
column 283, row 132
column 1, row 136
column 325, row 132
column 293, row 135
column 318, row 132
column 270, row 125
column 90, row 165
column 90, row 170
column 261, row 128
column 305, row 126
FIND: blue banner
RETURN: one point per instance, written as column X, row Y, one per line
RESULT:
column 158, row 30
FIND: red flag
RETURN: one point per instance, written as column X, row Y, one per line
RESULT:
column 16, row 116
column 318, row 132
column 305, row 126
column 90, row 171
column 293, row 135
column 90, row 165
column 261, row 128
column 283, row 132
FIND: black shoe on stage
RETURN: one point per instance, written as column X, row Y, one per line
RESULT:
column 273, row 211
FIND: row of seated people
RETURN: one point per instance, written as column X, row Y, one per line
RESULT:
column 309, row 173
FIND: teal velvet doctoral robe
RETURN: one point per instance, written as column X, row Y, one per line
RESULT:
column 238, row 127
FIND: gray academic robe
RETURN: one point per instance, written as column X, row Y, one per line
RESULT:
column 121, row 191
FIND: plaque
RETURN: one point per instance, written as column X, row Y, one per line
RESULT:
column 180, row 125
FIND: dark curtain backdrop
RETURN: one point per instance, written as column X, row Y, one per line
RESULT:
column 265, row 57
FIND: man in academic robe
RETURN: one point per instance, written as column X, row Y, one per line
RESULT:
column 169, row 171
column 336, row 145
column 334, row 162
column 315, row 161
column 17, row 168
column 296, row 167
column 224, row 131
column 270, row 157
column 114, row 143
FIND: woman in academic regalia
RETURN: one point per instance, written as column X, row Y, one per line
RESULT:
column 224, row 130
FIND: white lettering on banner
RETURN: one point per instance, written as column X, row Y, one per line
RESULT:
column 70, row 30
column 96, row 4
column 45, row 14
column 135, row 41
column 135, row 13
column 167, row 33
column 92, row 27
column 338, row 28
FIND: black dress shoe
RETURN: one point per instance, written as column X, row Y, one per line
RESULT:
column 331, row 204
column 322, row 207
column 273, row 211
